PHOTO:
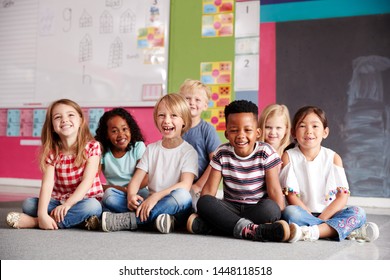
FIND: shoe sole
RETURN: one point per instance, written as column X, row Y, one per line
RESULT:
column 104, row 225
column 372, row 232
column 164, row 223
column 286, row 230
column 190, row 221
column 295, row 233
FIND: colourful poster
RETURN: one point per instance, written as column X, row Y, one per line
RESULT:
column 221, row 95
column 218, row 6
column 216, row 117
column 150, row 37
column 94, row 117
column 217, row 25
column 216, row 72
column 13, row 122
column 39, row 119
column 3, row 122
column 26, row 122
column 218, row 76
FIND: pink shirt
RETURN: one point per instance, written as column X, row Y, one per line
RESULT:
column 68, row 176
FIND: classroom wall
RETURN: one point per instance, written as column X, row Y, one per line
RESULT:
column 288, row 31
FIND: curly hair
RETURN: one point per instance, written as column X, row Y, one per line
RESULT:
column 241, row 106
column 101, row 131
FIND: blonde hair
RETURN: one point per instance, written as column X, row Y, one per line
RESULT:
column 276, row 110
column 175, row 103
column 193, row 86
column 51, row 142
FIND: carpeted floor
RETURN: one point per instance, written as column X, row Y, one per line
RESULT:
column 78, row 244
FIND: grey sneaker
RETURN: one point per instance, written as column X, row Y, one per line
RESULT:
column 165, row 223
column 369, row 232
column 118, row 221
column 92, row 223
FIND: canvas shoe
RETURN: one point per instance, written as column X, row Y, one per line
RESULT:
column 118, row 221
column 369, row 232
column 197, row 225
column 13, row 219
column 278, row 231
column 309, row 233
column 165, row 223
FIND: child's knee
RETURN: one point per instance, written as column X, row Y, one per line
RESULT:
column 182, row 196
column 289, row 212
column 30, row 206
column 108, row 197
column 359, row 213
column 93, row 207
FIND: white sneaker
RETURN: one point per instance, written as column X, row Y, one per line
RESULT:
column 295, row 233
column 309, row 233
column 369, row 232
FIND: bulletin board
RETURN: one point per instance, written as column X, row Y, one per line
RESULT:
column 96, row 52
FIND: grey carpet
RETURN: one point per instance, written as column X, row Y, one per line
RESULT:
column 78, row 244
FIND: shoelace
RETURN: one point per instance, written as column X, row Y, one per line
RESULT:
column 121, row 221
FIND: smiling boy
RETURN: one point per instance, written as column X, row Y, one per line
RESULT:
column 253, row 200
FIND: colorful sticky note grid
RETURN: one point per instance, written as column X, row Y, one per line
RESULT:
column 216, row 72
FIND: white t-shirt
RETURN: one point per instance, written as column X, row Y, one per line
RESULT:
column 165, row 166
column 316, row 182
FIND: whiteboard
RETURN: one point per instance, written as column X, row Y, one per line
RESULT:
column 96, row 52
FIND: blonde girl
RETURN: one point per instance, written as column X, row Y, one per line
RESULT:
column 275, row 125
column 171, row 165
column 69, row 159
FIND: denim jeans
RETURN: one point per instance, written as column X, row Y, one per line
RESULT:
column 77, row 214
column 228, row 218
column 344, row 221
column 178, row 203
column 116, row 200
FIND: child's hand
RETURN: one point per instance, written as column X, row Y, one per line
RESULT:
column 47, row 222
column 144, row 209
column 60, row 212
column 134, row 201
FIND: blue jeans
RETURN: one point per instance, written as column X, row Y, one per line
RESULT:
column 115, row 200
column 344, row 221
column 77, row 214
column 178, row 204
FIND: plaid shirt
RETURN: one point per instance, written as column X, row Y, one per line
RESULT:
column 68, row 176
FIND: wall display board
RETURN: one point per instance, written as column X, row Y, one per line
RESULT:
column 98, row 53
column 348, row 75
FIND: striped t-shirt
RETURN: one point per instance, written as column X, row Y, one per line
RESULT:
column 244, row 178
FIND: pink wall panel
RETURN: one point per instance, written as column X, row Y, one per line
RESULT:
column 267, row 80
column 21, row 161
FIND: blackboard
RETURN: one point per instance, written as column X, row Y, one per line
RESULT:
column 343, row 66
column 96, row 52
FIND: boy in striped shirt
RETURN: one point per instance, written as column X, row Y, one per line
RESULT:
column 253, row 199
